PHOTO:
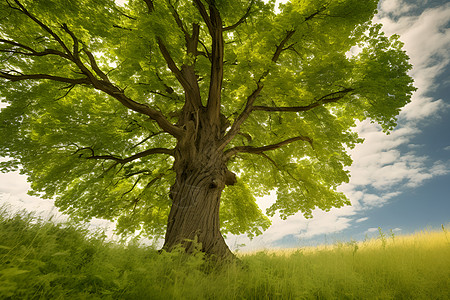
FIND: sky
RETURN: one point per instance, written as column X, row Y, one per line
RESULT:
column 399, row 182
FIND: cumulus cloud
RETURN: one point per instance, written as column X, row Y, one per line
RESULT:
column 362, row 220
column 372, row 230
column 427, row 40
column 395, row 7
column 297, row 227
column 13, row 183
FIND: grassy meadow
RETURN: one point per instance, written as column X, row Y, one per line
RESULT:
column 43, row 260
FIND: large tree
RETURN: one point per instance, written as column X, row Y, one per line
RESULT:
column 172, row 115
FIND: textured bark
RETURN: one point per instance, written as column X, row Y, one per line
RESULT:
column 201, row 177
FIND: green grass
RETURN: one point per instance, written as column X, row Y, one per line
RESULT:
column 43, row 260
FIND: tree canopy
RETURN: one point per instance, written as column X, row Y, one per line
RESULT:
column 99, row 96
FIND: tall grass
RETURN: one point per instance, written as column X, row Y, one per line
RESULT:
column 42, row 260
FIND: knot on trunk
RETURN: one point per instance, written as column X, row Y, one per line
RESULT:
column 230, row 178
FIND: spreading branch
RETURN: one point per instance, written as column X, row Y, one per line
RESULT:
column 122, row 161
column 20, row 77
column 31, row 51
column 186, row 74
column 329, row 98
column 94, row 65
column 258, row 150
column 278, row 167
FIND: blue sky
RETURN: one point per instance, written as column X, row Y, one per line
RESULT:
column 399, row 181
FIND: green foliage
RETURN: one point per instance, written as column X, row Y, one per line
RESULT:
column 52, row 130
column 42, row 260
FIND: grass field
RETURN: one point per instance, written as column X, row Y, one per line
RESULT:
column 42, row 260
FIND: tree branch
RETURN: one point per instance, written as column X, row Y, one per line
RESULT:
column 257, row 150
column 329, row 98
column 177, row 18
column 241, row 20
column 186, row 73
column 147, row 138
column 76, row 56
column 217, row 54
column 132, row 188
column 207, row 54
column 131, row 158
column 242, row 117
column 171, row 64
column 20, row 77
column 32, row 52
column 94, row 65
column 201, row 8
column 150, row 5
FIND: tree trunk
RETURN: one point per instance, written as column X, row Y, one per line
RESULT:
column 201, row 177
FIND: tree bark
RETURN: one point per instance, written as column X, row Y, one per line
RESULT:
column 201, row 176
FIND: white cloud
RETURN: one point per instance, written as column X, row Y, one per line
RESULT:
column 372, row 200
column 13, row 183
column 361, row 220
column 415, row 146
column 372, row 230
column 395, row 7
column 427, row 40
column 326, row 223
column 440, row 168
column 379, row 163
column 424, row 36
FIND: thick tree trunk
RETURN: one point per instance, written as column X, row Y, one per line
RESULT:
column 194, row 216
column 201, row 177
